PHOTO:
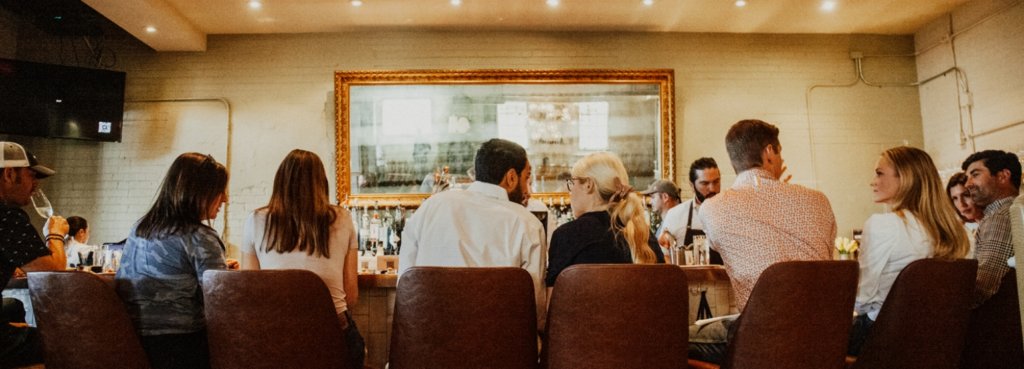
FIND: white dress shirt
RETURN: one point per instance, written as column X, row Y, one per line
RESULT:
column 676, row 218
column 476, row 227
column 890, row 244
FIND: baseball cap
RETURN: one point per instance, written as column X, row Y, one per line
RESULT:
column 663, row 186
column 15, row 156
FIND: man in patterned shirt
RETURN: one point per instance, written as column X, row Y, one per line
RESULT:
column 761, row 220
column 993, row 178
column 21, row 246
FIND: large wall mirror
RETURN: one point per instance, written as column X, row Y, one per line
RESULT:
column 400, row 134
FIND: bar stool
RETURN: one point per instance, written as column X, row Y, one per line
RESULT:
column 271, row 319
column 618, row 316
column 924, row 319
column 798, row 316
column 456, row 318
column 994, row 334
column 83, row 322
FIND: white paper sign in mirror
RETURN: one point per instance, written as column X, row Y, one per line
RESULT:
column 399, row 132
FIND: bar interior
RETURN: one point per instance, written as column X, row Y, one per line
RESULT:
column 394, row 184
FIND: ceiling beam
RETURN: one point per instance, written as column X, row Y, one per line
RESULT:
column 173, row 31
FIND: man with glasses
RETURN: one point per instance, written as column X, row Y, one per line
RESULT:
column 21, row 246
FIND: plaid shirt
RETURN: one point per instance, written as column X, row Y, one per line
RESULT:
column 992, row 249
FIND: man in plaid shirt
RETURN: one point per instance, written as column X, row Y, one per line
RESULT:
column 993, row 178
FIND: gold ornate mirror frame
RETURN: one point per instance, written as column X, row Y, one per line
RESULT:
column 343, row 81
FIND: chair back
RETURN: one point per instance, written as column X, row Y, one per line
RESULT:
column 618, row 316
column 83, row 322
column 464, row 318
column 798, row 316
column 994, row 334
column 923, row 321
column 271, row 319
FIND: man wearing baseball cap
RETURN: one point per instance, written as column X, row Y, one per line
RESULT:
column 22, row 247
column 664, row 197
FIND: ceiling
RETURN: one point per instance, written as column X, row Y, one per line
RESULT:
column 182, row 25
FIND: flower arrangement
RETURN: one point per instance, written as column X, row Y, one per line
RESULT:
column 846, row 246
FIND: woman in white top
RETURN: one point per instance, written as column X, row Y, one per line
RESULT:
column 78, row 238
column 922, row 224
column 300, row 229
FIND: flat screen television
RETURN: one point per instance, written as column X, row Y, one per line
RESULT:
column 57, row 101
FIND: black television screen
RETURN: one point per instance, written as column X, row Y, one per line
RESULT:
column 60, row 102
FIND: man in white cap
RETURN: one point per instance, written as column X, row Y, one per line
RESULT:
column 22, row 247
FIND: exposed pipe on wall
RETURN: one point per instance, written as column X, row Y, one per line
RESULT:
column 230, row 128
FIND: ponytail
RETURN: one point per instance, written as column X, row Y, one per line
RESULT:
column 629, row 222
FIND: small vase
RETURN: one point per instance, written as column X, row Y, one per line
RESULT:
column 844, row 256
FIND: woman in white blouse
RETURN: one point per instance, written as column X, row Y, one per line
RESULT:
column 300, row 229
column 921, row 224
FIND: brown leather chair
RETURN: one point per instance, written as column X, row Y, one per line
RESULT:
column 83, row 322
column 798, row 316
column 994, row 334
column 271, row 319
column 464, row 318
column 924, row 319
column 618, row 316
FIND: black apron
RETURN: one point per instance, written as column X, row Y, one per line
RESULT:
column 714, row 257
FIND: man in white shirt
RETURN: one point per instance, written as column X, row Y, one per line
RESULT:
column 682, row 223
column 485, row 225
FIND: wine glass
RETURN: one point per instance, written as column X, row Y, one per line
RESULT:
column 42, row 204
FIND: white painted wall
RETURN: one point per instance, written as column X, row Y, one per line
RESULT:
column 985, row 40
column 280, row 88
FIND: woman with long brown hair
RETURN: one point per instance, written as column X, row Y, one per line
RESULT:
column 922, row 224
column 164, row 258
column 610, row 225
column 300, row 229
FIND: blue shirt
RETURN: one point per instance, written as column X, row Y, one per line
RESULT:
column 160, row 279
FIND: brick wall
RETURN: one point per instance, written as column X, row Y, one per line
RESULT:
column 987, row 47
column 280, row 88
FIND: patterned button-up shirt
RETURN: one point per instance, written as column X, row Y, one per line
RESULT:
column 993, row 247
column 761, row 221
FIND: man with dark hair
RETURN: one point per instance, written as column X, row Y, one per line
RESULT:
column 759, row 221
column 683, row 224
column 485, row 225
column 993, row 178
column 21, row 246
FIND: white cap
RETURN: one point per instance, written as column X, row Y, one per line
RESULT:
column 15, row 156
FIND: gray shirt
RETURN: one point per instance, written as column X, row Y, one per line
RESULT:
column 160, row 279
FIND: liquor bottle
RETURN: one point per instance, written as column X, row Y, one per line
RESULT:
column 364, row 230
column 374, row 234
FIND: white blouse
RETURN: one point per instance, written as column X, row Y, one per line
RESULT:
column 890, row 244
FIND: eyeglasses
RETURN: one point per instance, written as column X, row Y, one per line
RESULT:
column 572, row 181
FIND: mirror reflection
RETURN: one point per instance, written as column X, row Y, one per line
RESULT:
column 422, row 138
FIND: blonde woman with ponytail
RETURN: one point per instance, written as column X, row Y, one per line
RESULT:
column 921, row 224
column 610, row 226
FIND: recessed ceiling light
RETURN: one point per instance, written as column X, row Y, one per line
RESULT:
column 648, row 2
column 255, row 4
column 357, row 2
column 456, row 2
column 741, row 3
column 828, row 5
column 553, row 3
column 150, row 29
